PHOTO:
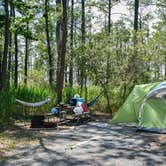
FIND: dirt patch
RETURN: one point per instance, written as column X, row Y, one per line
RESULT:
column 93, row 143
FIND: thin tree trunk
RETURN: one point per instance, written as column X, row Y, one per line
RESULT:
column 108, row 61
column 3, row 77
column 58, row 40
column 10, row 46
column 66, row 75
column 16, row 60
column 26, row 55
column 109, row 16
column 71, row 44
column 134, row 60
column 83, row 21
column 83, row 41
column 15, row 56
column 140, row 22
column 62, row 52
column 50, row 58
column 109, row 31
column 136, row 7
column 105, row 22
column 9, row 59
column 86, row 91
column 105, row 88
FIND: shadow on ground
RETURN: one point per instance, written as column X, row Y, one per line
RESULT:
column 94, row 143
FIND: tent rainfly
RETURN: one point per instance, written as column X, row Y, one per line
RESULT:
column 145, row 106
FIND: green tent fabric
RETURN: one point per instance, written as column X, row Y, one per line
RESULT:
column 149, row 113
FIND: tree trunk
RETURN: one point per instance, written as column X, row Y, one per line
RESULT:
column 71, row 44
column 16, row 60
column 134, row 60
column 10, row 46
column 109, row 31
column 108, row 61
column 83, row 21
column 86, row 91
column 66, row 75
column 3, row 77
column 136, row 7
column 109, row 16
column 58, row 39
column 105, row 89
column 50, row 57
column 83, row 41
column 9, row 59
column 26, row 55
column 62, row 52
column 15, row 56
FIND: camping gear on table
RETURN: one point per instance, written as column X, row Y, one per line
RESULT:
column 145, row 106
column 55, row 111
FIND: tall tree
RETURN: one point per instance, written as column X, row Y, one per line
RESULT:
column 50, row 56
column 109, row 16
column 58, row 36
column 10, row 44
column 136, row 7
column 3, row 77
column 61, row 44
column 26, row 55
column 83, row 20
column 83, row 45
column 135, row 58
column 108, row 60
column 71, row 44
column 15, row 50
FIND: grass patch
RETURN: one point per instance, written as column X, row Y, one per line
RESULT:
column 16, row 136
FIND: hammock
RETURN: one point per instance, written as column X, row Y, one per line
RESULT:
column 37, row 104
column 94, row 101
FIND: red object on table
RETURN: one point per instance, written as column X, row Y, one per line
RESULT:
column 85, row 107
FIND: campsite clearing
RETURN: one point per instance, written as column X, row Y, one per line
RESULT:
column 94, row 143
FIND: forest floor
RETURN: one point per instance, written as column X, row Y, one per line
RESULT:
column 93, row 143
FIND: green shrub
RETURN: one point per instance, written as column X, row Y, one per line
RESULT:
column 7, row 100
column 10, row 110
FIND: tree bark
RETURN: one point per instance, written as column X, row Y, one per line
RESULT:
column 109, row 16
column 62, row 51
column 50, row 57
column 109, row 31
column 136, row 7
column 26, row 55
column 134, row 60
column 108, row 60
column 16, row 60
column 10, row 46
column 15, row 56
column 9, row 59
column 3, row 77
column 58, row 39
column 71, row 44
column 83, row 21
column 83, row 41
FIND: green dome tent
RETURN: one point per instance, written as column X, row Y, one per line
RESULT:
column 146, row 106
